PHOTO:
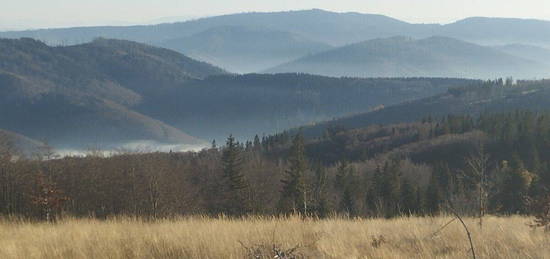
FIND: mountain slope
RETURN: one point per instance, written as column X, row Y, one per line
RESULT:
column 539, row 54
column 245, row 49
column 140, row 68
column 316, row 25
column 491, row 31
column 18, row 144
column 473, row 100
column 222, row 36
column 84, row 94
column 401, row 56
column 112, row 91
column 245, row 105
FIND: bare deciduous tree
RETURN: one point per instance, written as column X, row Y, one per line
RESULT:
column 478, row 167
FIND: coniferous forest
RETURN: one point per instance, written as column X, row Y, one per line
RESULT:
column 495, row 164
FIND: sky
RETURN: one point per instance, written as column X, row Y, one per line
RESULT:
column 27, row 14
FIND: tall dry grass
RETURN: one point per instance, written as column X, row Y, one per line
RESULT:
column 202, row 237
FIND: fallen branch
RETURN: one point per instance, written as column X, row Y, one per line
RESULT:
column 466, row 229
column 441, row 228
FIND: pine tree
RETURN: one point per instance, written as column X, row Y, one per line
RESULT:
column 374, row 201
column 443, row 174
column 319, row 192
column 345, row 183
column 514, row 191
column 371, row 201
column 389, row 191
column 348, row 204
column 535, row 163
column 294, row 194
column 257, row 144
column 419, row 201
column 516, row 162
column 433, row 197
column 342, row 175
column 409, row 204
column 322, row 207
column 236, row 186
column 544, row 176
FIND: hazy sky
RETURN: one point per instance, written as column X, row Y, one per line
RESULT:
column 18, row 14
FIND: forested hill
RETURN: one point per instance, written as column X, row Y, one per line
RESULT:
column 531, row 52
column 489, row 96
column 246, row 105
column 406, row 57
column 83, row 94
column 381, row 162
column 335, row 28
column 520, row 135
column 18, row 144
column 113, row 91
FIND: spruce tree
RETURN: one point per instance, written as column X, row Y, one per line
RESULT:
column 236, row 186
column 257, row 144
column 514, row 190
column 346, row 183
column 319, row 192
column 390, row 188
column 294, row 194
column 371, row 201
column 374, row 201
column 348, row 204
column 342, row 175
column 433, row 197
column 409, row 204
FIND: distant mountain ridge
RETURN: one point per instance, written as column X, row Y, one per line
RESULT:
column 317, row 25
column 245, row 49
column 407, row 57
column 302, row 32
column 535, row 53
column 491, row 31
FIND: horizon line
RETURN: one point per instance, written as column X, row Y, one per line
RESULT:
column 144, row 23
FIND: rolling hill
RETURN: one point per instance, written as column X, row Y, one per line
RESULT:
column 245, row 105
column 316, row 25
column 240, row 42
column 18, row 144
column 83, row 94
column 473, row 100
column 245, row 49
column 535, row 53
column 407, row 57
column 114, row 92
column 491, row 31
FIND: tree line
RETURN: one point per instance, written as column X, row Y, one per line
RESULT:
column 494, row 163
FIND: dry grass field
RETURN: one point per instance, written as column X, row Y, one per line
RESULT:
column 259, row 237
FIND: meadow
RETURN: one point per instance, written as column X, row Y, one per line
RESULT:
column 260, row 237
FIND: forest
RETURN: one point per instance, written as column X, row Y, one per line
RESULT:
column 495, row 163
column 258, row 130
